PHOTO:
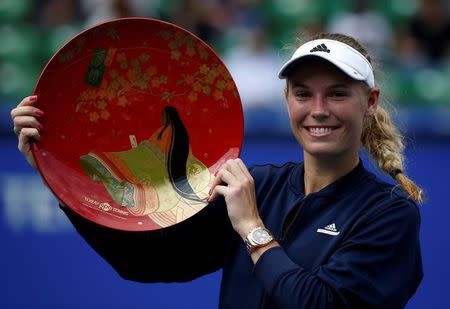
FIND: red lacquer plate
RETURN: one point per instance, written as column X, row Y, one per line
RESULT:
column 139, row 115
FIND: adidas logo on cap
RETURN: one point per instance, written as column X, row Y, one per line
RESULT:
column 322, row 47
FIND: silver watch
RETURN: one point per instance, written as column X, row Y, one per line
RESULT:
column 258, row 237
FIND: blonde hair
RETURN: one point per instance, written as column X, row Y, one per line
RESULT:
column 380, row 138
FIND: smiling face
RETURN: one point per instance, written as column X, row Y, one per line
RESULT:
column 327, row 109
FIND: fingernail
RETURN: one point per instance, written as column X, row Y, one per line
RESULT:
column 33, row 98
column 40, row 127
column 39, row 112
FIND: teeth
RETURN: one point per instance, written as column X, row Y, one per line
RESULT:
column 319, row 130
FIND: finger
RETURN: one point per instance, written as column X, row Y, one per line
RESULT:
column 223, row 176
column 232, row 165
column 26, row 111
column 27, row 122
column 28, row 100
column 216, row 192
column 26, row 137
column 243, row 167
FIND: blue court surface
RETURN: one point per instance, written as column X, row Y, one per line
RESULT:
column 45, row 264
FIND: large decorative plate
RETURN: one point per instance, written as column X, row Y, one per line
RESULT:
column 139, row 115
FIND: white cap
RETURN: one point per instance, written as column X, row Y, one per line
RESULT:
column 345, row 57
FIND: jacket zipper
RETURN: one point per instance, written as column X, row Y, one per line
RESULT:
column 287, row 224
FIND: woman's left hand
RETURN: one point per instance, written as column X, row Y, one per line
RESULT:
column 234, row 182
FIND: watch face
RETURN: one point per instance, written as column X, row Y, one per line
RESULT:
column 261, row 236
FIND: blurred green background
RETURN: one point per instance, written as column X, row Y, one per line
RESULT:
column 398, row 33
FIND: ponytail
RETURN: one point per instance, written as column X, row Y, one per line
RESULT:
column 384, row 143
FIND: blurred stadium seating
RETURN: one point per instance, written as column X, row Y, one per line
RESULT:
column 421, row 94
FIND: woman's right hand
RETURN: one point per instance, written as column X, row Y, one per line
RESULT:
column 26, row 125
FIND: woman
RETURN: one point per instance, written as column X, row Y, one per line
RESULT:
column 324, row 233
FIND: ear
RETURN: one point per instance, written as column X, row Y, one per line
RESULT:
column 286, row 93
column 372, row 101
column 286, row 90
column 286, row 100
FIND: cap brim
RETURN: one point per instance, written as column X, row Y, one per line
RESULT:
column 348, row 70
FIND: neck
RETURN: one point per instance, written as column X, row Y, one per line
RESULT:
column 322, row 171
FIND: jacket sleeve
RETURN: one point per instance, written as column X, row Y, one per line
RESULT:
column 180, row 253
column 378, row 266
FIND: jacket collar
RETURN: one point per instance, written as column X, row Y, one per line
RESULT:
column 336, row 188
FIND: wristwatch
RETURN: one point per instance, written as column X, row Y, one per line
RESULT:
column 258, row 237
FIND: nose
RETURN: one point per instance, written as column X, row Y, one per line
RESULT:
column 319, row 107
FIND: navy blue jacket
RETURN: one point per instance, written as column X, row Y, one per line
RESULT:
column 353, row 244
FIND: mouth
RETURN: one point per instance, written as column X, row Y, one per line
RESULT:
column 319, row 131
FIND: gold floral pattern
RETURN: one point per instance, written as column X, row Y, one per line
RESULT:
column 70, row 53
column 125, row 75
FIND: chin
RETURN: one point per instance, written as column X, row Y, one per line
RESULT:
column 322, row 152
column 322, row 147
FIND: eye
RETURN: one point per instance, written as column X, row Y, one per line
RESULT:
column 302, row 94
column 339, row 94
